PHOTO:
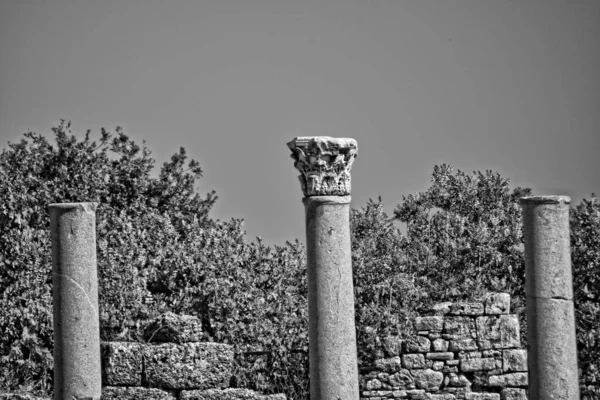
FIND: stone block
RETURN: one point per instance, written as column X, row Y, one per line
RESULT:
column 413, row 361
column 478, row 364
column 514, row 360
column 416, row 394
column 188, row 365
column 463, row 308
column 392, row 345
column 462, row 345
column 497, row 303
column 437, row 365
column 456, row 380
column 373, row 384
column 121, row 363
column 440, row 345
column 173, row 328
column 432, row 324
column 388, row 365
column 514, row 394
column 428, row 379
column 227, row 394
column 482, row 396
column 440, row 356
column 517, row 379
column 442, row 396
column 402, row 379
column 500, row 332
column 135, row 393
column 441, row 308
column 417, row 344
column 457, row 328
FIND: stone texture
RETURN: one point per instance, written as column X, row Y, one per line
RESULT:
column 227, row 394
column 21, row 396
column 515, row 379
column 464, row 308
column 440, row 345
column 432, row 324
column 324, row 164
column 462, row 345
column 389, row 365
column 440, row 356
column 514, row 394
column 428, row 379
column 478, row 364
column 188, row 365
column 482, row 396
column 549, row 293
column 170, row 327
column 77, row 370
column 135, row 393
column 497, row 303
column 514, row 360
column 417, row 344
column 441, row 308
column 413, row 361
column 442, row 396
column 392, row 345
column 332, row 335
column 500, row 332
column 458, row 328
column 121, row 364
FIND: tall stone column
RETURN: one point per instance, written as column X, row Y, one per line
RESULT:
column 324, row 164
column 549, row 288
column 75, row 293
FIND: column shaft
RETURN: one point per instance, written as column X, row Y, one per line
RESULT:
column 553, row 371
column 77, row 372
column 332, row 335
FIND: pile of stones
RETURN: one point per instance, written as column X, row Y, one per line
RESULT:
column 468, row 351
column 171, row 364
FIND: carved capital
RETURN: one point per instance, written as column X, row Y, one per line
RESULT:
column 324, row 164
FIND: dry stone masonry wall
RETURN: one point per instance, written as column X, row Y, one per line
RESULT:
column 469, row 351
column 172, row 364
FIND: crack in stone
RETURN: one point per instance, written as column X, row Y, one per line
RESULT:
column 83, row 290
column 551, row 298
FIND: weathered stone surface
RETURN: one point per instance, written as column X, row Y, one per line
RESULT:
column 458, row 380
column 332, row 334
column 457, row 328
column 413, row 361
column 121, row 363
column 513, row 380
column 438, row 365
column 135, row 393
column 500, row 332
column 324, row 164
column 392, row 345
column 478, row 364
column 428, row 379
column 402, row 379
column 440, row 356
column 549, row 294
column 482, row 396
column 389, row 365
column 440, row 345
column 442, row 396
column 417, row 344
column 433, row 323
column 514, row 360
column 514, row 394
column 77, row 370
column 463, row 308
column 462, row 345
column 441, row 308
column 188, row 365
column 227, row 394
column 497, row 303
column 170, row 327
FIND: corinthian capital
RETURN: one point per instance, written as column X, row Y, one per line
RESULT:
column 324, row 164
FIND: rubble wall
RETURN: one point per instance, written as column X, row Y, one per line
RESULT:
column 468, row 351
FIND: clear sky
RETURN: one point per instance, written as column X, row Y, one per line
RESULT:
column 507, row 85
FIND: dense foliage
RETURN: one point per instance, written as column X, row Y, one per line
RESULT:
column 159, row 250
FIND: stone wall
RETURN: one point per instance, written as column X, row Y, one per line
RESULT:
column 468, row 351
column 171, row 364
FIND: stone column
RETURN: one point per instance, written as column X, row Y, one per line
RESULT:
column 325, row 164
column 549, row 288
column 75, row 293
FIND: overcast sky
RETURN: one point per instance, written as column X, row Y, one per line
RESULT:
column 507, row 85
